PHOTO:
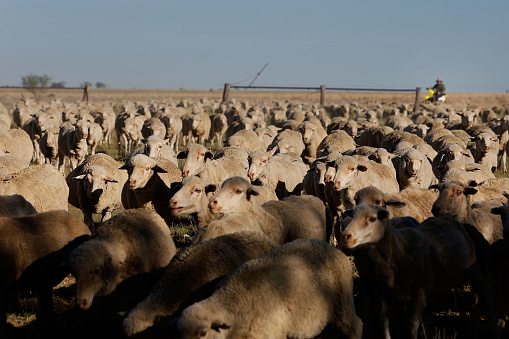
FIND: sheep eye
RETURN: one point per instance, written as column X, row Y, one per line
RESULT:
column 147, row 168
column 238, row 191
column 377, row 202
column 198, row 190
column 372, row 219
column 264, row 161
column 459, row 192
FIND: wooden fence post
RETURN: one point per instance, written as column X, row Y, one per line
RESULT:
column 322, row 95
column 417, row 100
column 226, row 92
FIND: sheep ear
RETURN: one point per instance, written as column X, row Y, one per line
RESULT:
column 110, row 179
column 166, row 141
column 219, row 325
column 382, row 215
column 470, row 190
column 330, row 163
column 251, row 192
column 496, row 210
column 394, row 202
column 435, row 187
column 348, row 213
column 208, row 155
column 182, row 155
column 272, row 152
column 210, row 189
column 124, row 167
column 158, row 169
column 80, row 177
column 362, row 168
column 505, row 194
column 472, row 183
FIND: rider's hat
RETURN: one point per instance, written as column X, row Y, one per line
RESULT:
column 439, row 79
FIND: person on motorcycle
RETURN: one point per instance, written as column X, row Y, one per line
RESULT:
column 439, row 89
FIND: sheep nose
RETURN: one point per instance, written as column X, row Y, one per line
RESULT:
column 347, row 236
column 328, row 178
column 213, row 203
column 251, row 175
column 185, row 173
column 337, row 184
column 173, row 203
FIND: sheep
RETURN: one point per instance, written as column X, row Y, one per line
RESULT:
column 382, row 156
column 292, row 218
column 247, row 139
column 490, row 189
column 191, row 269
column 314, row 181
column 454, row 200
column 415, row 202
column 154, row 147
column 244, row 123
column 72, row 143
column 456, row 170
column 340, row 138
column 132, row 242
column 150, row 184
column 226, row 224
column 354, row 173
column 219, row 125
column 95, row 135
column 373, row 136
column 106, row 119
column 450, row 152
column 26, row 246
column 16, row 142
column 398, row 122
column 128, row 130
column 288, row 141
column 10, row 164
column 395, row 137
column 200, row 127
column 413, row 169
column 173, row 124
column 153, row 126
column 95, row 186
column 300, row 288
column 282, row 173
column 419, row 277
column 34, row 127
column 41, row 185
column 486, row 150
column 15, row 206
column 49, row 145
column 418, row 129
column 199, row 162
column 312, row 136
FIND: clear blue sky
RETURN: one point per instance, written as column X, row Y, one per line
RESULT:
column 203, row 44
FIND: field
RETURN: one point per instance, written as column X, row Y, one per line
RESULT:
column 24, row 313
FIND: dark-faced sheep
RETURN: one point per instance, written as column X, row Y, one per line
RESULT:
column 292, row 292
column 130, row 243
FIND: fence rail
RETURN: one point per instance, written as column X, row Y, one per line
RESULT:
column 85, row 89
column 322, row 89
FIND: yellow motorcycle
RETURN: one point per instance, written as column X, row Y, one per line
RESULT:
column 430, row 97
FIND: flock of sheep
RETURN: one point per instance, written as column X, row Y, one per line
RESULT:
column 293, row 195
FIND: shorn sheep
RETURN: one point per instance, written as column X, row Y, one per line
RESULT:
column 419, row 276
column 191, row 269
column 132, row 242
column 294, row 291
column 26, row 241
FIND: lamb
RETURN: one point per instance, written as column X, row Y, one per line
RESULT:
column 198, row 162
column 41, row 185
column 282, row 221
column 15, row 206
column 25, row 242
column 72, row 143
column 312, row 136
column 191, row 269
column 413, row 201
column 419, row 277
column 413, row 169
column 130, row 243
column 300, row 288
column 200, row 127
column 247, row 139
column 150, row 184
column 154, row 147
column 283, row 173
column 219, row 124
column 454, row 200
column 95, row 186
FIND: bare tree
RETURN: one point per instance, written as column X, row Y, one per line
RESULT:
column 36, row 84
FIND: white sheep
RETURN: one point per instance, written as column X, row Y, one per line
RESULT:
column 154, row 147
column 130, row 243
column 413, row 169
column 292, row 292
column 419, row 276
column 312, row 136
column 72, row 143
column 16, row 142
column 95, row 186
column 192, row 268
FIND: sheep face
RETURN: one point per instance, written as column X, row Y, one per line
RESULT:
column 347, row 169
column 141, row 169
column 82, row 129
column 351, row 128
column 485, row 142
column 284, row 146
column 153, row 146
column 307, row 131
column 95, row 181
column 453, row 198
column 233, row 197
column 196, row 156
column 191, row 196
column 372, row 195
column 455, row 152
column 367, row 225
column 258, row 163
column 412, row 162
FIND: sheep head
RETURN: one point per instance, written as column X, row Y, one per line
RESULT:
column 453, row 198
column 195, row 156
column 233, row 197
column 191, row 196
column 368, row 225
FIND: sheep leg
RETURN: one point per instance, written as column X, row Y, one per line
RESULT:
column 385, row 319
column 106, row 215
column 419, row 304
column 87, row 219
